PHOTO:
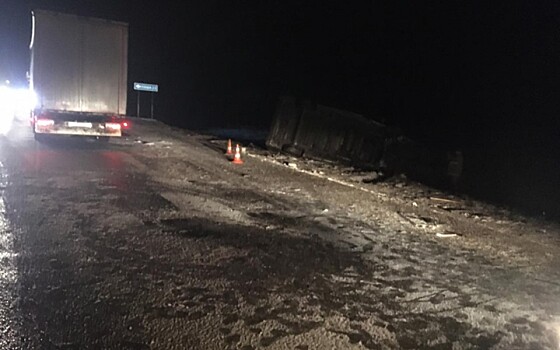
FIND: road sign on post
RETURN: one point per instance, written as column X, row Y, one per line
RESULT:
column 148, row 88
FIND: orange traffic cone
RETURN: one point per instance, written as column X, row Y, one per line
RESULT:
column 229, row 149
column 237, row 158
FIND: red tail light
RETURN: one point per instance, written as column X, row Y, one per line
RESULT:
column 125, row 125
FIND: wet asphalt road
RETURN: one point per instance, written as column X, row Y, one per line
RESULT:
column 36, row 274
column 156, row 242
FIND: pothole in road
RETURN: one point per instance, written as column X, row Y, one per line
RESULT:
column 275, row 218
column 144, row 200
column 187, row 228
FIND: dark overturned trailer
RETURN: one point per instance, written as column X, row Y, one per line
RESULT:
column 303, row 128
column 79, row 75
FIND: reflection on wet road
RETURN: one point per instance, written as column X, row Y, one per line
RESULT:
column 55, row 160
column 9, row 322
column 31, row 172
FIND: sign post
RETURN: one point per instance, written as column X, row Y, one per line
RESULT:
column 138, row 105
column 151, row 88
column 152, row 109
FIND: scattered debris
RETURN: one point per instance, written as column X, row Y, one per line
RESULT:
column 447, row 235
column 367, row 247
column 445, row 200
column 385, row 187
column 363, row 177
column 368, row 232
column 450, row 208
column 373, row 177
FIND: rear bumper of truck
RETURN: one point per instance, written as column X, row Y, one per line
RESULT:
column 76, row 124
column 79, row 128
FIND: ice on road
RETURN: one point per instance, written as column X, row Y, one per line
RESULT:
column 157, row 241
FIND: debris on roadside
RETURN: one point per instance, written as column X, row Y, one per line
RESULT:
column 424, row 223
column 362, row 176
column 450, row 208
column 166, row 144
column 445, row 200
column 446, row 235
column 405, row 194
column 291, row 165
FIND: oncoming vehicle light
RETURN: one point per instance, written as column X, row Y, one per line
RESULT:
column 6, row 110
column 24, row 101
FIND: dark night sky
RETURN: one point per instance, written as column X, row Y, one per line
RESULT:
column 482, row 76
column 450, row 71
